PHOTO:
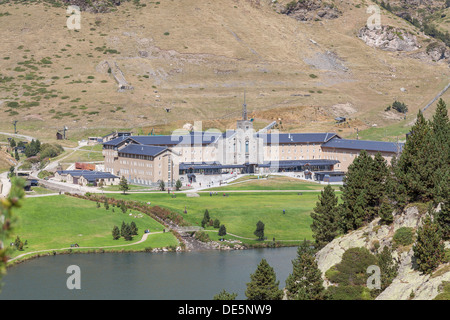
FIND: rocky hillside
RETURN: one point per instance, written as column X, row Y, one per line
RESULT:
column 409, row 283
column 152, row 65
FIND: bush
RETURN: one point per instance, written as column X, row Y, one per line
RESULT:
column 349, row 293
column 352, row 270
column 404, row 236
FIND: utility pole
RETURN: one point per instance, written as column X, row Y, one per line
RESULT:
column 14, row 123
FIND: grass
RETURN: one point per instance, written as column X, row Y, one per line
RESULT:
column 56, row 222
column 270, row 183
column 240, row 212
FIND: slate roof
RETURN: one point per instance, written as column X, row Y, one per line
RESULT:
column 138, row 149
column 170, row 140
column 284, row 138
column 367, row 145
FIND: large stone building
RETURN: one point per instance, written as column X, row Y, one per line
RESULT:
column 188, row 155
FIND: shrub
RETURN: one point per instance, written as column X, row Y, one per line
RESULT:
column 404, row 236
column 352, row 270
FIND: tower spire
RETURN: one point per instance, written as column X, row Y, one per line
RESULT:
column 244, row 109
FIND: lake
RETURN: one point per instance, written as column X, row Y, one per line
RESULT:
column 143, row 276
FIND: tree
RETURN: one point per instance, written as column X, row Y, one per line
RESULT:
column 16, row 155
column 178, row 185
column 106, row 204
column 127, row 233
column 388, row 267
column 305, row 282
column 354, row 193
column 429, row 249
column 222, row 231
column 133, row 228
column 123, row 207
column 325, row 217
column 259, row 232
column 12, row 143
column 440, row 156
column 123, row 185
column 385, row 213
column 7, row 218
column 122, row 228
column 162, row 185
column 443, row 220
column 415, row 168
column 216, row 223
column 263, row 284
column 224, row 295
column 206, row 218
column 116, row 233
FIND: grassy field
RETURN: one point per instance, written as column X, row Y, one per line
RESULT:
column 56, row 222
column 270, row 183
column 240, row 212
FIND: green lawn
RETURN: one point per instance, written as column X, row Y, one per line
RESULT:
column 270, row 183
column 56, row 222
column 240, row 212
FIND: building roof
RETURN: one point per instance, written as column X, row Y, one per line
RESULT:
column 367, row 145
column 283, row 138
column 92, row 176
column 298, row 163
column 192, row 138
column 89, row 175
column 144, row 150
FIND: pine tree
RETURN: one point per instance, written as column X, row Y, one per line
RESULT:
column 116, row 233
column 263, row 284
column 224, row 295
column 355, row 195
column 222, row 231
column 416, row 172
column 388, row 267
column 127, row 234
column 133, row 228
column 259, row 232
column 206, row 218
column 385, row 213
column 305, row 282
column 122, row 228
column 443, row 220
column 123, row 185
column 440, row 157
column 325, row 217
column 429, row 249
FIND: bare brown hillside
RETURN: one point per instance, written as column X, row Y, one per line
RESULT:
column 189, row 60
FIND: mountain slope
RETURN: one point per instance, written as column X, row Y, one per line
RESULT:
column 192, row 60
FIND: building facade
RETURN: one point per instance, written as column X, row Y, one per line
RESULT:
column 184, row 155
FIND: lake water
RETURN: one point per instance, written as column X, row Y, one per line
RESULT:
column 146, row 276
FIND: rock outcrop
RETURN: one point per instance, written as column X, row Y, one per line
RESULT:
column 308, row 10
column 389, row 38
column 409, row 283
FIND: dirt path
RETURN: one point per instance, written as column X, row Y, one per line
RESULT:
column 144, row 237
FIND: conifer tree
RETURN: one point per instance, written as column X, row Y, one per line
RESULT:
column 222, row 230
column 416, row 172
column 224, row 295
column 133, row 228
column 259, row 232
column 116, row 233
column 263, row 284
column 325, row 217
column 354, row 193
column 123, row 185
column 443, row 220
column 440, row 157
column 206, row 218
column 305, row 282
column 429, row 249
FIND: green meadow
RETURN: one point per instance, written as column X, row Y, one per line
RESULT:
column 240, row 212
column 57, row 222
